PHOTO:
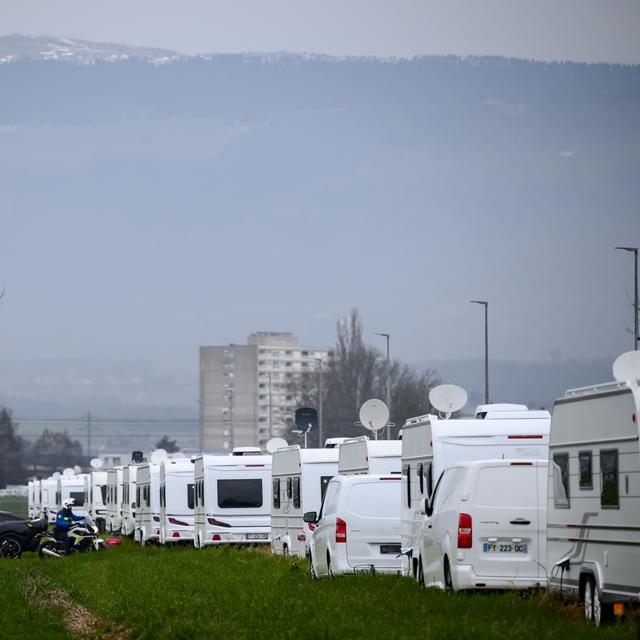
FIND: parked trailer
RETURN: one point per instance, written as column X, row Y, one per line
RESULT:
column 233, row 499
column 114, row 499
column 73, row 487
column 96, row 496
column 429, row 444
column 48, row 489
column 128, row 504
column 299, row 481
column 34, row 504
column 147, row 503
column 364, row 456
column 594, row 498
column 176, row 500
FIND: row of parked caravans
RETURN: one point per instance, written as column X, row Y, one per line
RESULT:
column 507, row 499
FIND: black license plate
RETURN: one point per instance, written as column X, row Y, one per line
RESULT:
column 390, row 548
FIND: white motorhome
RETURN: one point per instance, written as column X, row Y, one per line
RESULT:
column 364, row 456
column 593, row 512
column 48, row 490
column 299, row 480
column 176, row 500
column 358, row 527
column 485, row 527
column 429, row 444
column 147, row 503
column 233, row 499
column 72, row 486
column 96, row 496
column 114, row 499
column 128, row 504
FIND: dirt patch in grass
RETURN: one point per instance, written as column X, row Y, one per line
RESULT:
column 77, row 619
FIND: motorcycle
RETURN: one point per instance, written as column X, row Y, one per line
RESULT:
column 83, row 536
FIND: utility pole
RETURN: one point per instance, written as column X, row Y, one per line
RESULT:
column 388, row 337
column 636, row 336
column 89, row 434
column 320, row 376
column 486, row 347
column 270, row 409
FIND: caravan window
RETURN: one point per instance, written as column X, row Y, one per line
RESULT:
column 190, row 496
column 429, row 480
column 586, row 470
column 289, row 488
column 103, row 493
column 421, row 477
column 296, row 493
column 240, row 494
column 408, row 485
column 324, row 483
column 163, row 496
column 609, row 496
column 276, row 493
column 561, row 480
column 78, row 497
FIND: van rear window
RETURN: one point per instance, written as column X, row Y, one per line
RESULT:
column 506, row 487
column 240, row 493
column 375, row 499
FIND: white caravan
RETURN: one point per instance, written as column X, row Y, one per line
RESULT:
column 358, row 527
column 33, row 492
column 299, row 480
column 233, row 499
column 485, row 527
column 114, row 499
column 429, row 444
column 147, row 503
column 128, row 504
column 73, row 487
column 48, row 490
column 176, row 500
column 96, row 497
column 593, row 510
column 364, row 456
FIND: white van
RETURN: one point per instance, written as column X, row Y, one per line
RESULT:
column 74, row 487
column 114, row 499
column 177, row 500
column 128, row 504
column 299, row 480
column 232, row 499
column 429, row 444
column 147, row 503
column 593, row 508
column 364, row 456
column 96, row 496
column 358, row 527
column 486, row 527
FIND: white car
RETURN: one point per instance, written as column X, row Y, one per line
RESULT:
column 358, row 528
column 486, row 527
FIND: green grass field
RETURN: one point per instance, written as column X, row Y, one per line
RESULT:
column 15, row 504
column 129, row 592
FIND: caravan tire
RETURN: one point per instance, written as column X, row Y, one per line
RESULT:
column 601, row 612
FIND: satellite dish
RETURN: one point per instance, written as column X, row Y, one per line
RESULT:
column 626, row 368
column 158, row 456
column 448, row 398
column 68, row 472
column 96, row 463
column 374, row 414
column 77, row 469
column 55, row 475
column 178, row 455
column 276, row 443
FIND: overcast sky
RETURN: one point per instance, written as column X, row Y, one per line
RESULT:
column 580, row 30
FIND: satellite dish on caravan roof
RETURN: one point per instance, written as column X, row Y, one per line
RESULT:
column 68, row 472
column 77, row 469
column 276, row 443
column 448, row 398
column 55, row 475
column 158, row 456
column 627, row 367
column 374, row 414
column 96, row 463
column 178, row 455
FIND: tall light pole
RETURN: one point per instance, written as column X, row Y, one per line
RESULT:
column 387, row 336
column 486, row 347
column 320, row 376
column 636, row 337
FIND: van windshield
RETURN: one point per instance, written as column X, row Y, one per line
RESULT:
column 240, row 493
column 506, row 487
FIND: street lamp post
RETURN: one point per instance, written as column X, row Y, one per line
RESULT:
column 486, row 347
column 636, row 337
column 387, row 336
column 320, row 376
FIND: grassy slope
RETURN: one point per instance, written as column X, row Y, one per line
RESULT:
column 184, row 593
column 15, row 504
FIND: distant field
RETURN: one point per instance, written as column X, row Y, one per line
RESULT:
column 15, row 504
column 157, row 593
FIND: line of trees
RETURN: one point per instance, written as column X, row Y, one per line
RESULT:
column 356, row 373
column 20, row 460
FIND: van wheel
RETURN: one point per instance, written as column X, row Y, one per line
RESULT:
column 312, row 571
column 448, row 582
column 421, row 580
column 329, row 571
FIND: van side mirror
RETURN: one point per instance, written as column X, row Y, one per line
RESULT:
column 310, row 517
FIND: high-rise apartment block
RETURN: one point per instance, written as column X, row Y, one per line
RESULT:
column 245, row 390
